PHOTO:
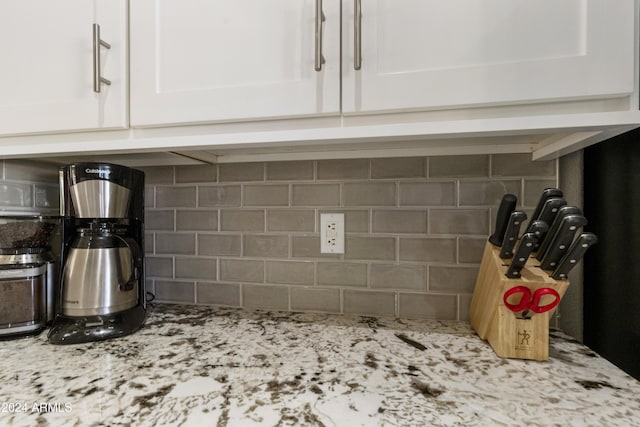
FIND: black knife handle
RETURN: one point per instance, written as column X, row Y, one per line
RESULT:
column 540, row 229
column 575, row 254
column 527, row 242
column 553, row 229
column 511, row 235
column 562, row 241
column 548, row 214
column 507, row 205
column 547, row 193
column 551, row 208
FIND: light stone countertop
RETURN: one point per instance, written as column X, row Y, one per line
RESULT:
column 197, row 366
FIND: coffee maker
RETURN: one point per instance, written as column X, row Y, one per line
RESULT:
column 102, row 283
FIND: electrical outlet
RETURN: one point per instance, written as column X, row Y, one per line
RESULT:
column 332, row 233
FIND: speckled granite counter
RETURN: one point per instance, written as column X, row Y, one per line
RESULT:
column 197, row 366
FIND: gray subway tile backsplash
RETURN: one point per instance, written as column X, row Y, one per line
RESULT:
column 370, row 248
column 400, row 167
column 265, row 195
column 428, row 249
column 369, row 194
column 487, row 193
column 428, row 193
column 265, row 245
column 201, row 220
column 219, row 196
column 176, row 243
column 242, row 220
column 290, row 272
column 157, row 220
column 315, row 195
column 290, row 171
column 184, row 197
column 459, row 166
column 247, row 234
column 380, row 303
column 199, row 173
column 219, row 244
column 428, row 306
column 343, row 169
column 195, row 268
column 241, row 172
column 290, row 220
column 453, row 278
column 399, row 276
column 399, row 221
column 242, row 270
column 265, row 297
column 218, row 293
column 174, row 291
column 343, row 274
column 470, row 249
column 315, row 299
column 459, row 221
column 158, row 175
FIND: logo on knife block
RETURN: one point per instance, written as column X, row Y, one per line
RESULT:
column 524, row 340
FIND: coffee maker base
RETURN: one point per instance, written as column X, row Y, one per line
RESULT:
column 76, row 330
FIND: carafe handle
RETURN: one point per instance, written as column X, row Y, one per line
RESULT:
column 136, row 254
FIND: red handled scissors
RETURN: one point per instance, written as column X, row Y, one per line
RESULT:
column 531, row 301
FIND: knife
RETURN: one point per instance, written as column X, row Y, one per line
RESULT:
column 575, row 253
column 562, row 240
column 548, row 214
column 521, row 256
column 511, row 235
column 507, row 205
column 553, row 228
column 547, row 193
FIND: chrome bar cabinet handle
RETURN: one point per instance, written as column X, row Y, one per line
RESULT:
column 97, row 43
column 357, row 34
column 319, row 20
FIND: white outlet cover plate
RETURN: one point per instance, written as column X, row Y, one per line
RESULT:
column 332, row 233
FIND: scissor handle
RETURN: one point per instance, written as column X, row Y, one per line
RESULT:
column 525, row 299
column 538, row 294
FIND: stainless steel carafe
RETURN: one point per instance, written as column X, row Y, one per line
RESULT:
column 100, row 276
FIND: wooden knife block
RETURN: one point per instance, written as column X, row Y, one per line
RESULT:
column 493, row 321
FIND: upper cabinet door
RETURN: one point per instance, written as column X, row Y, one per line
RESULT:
column 215, row 60
column 46, row 77
column 434, row 54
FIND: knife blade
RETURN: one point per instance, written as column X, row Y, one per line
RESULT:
column 575, row 254
column 547, row 193
column 507, row 205
column 511, row 235
column 521, row 256
column 562, row 240
column 553, row 228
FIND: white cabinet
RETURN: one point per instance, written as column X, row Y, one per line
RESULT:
column 435, row 54
column 198, row 61
column 236, row 80
column 46, row 78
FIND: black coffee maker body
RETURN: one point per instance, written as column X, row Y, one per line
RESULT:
column 102, row 282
